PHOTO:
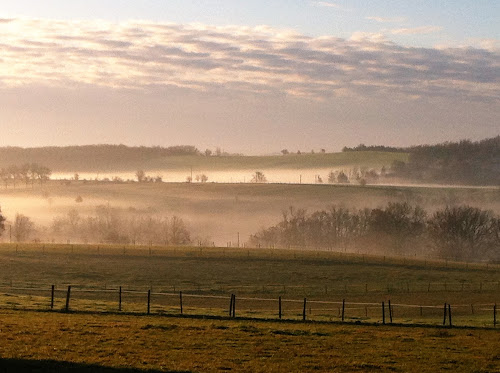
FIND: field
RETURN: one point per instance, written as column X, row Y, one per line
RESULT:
column 95, row 332
column 86, row 343
column 217, row 212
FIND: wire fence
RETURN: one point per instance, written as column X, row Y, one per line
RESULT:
column 122, row 299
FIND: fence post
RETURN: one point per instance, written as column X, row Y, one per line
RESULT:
column 444, row 317
column 279, row 307
column 68, row 294
column 149, row 301
column 383, row 313
column 234, row 305
column 343, row 309
column 120, row 299
column 52, row 297
column 449, row 314
column 180, row 300
column 495, row 315
column 231, row 306
column 304, row 310
column 390, row 311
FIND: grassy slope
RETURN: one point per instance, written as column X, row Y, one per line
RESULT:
column 223, row 163
column 291, row 161
column 211, row 346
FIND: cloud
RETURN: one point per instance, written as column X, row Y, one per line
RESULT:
column 327, row 4
column 237, row 59
column 416, row 30
column 388, row 19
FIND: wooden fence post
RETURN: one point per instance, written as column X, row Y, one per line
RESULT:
column 52, row 297
column 68, row 294
column 449, row 314
column 343, row 309
column 120, row 299
column 149, row 301
column 304, row 310
column 390, row 311
column 231, row 306
column 279, row 307
column 495, row 316
column 234, row 305
column 444, row 316
column 180, row 300
column 383, row 313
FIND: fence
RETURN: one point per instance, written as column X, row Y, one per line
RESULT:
column 121, row 299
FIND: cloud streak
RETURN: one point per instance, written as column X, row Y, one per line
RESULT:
column 256, row 60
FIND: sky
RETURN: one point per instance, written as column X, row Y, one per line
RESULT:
column 250, row 77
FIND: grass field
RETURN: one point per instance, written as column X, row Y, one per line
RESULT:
column 95, row 334
column 207, row 276
column 84, row 342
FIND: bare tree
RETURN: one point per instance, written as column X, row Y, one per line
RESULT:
column 23, row 228
column 140, row 175
column 259, row 177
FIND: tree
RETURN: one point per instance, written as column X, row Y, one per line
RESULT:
column 203, row 178
column 259, row 177
column 331, row 177
column 285, row 152
column 397, row 226
column 208, row 152
column 2, row 222
column 462, row 232
column 23, row 228
column 140, row 175
column 342, row 178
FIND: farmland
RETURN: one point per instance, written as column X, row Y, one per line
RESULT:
column 97, row 334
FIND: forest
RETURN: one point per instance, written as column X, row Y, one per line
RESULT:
column 458, row 232
column 463, row 162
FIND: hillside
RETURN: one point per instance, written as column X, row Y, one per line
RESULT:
column 107, row 158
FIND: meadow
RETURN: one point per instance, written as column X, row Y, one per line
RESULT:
column 207, row 277
column 95, row 334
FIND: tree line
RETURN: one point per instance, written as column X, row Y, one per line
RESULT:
column 105, row 225
column 463, row 162
column 454, row 232
column 26, row 174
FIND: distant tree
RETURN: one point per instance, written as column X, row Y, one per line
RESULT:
column 285, row 152
column 397, row 226
column 218, row 151
column 158, row 179
column 179, row 232
column 22, row 228
column 331, row 177
column 140, row 175
column 299, row 152
column 319, row 180
column 323, row 151
column 462, row 232
column 203, row 178
column 2, row 222
column 259, row 177
column 76, row 177
column 208, row 152
column 189, row 179
column 342, row 178
column 44, row 174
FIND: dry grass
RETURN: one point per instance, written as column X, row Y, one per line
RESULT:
column 209, row 345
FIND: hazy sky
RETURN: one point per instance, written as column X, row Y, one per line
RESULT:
column 249, row 76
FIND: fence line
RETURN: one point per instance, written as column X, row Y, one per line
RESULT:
column 310, row 306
